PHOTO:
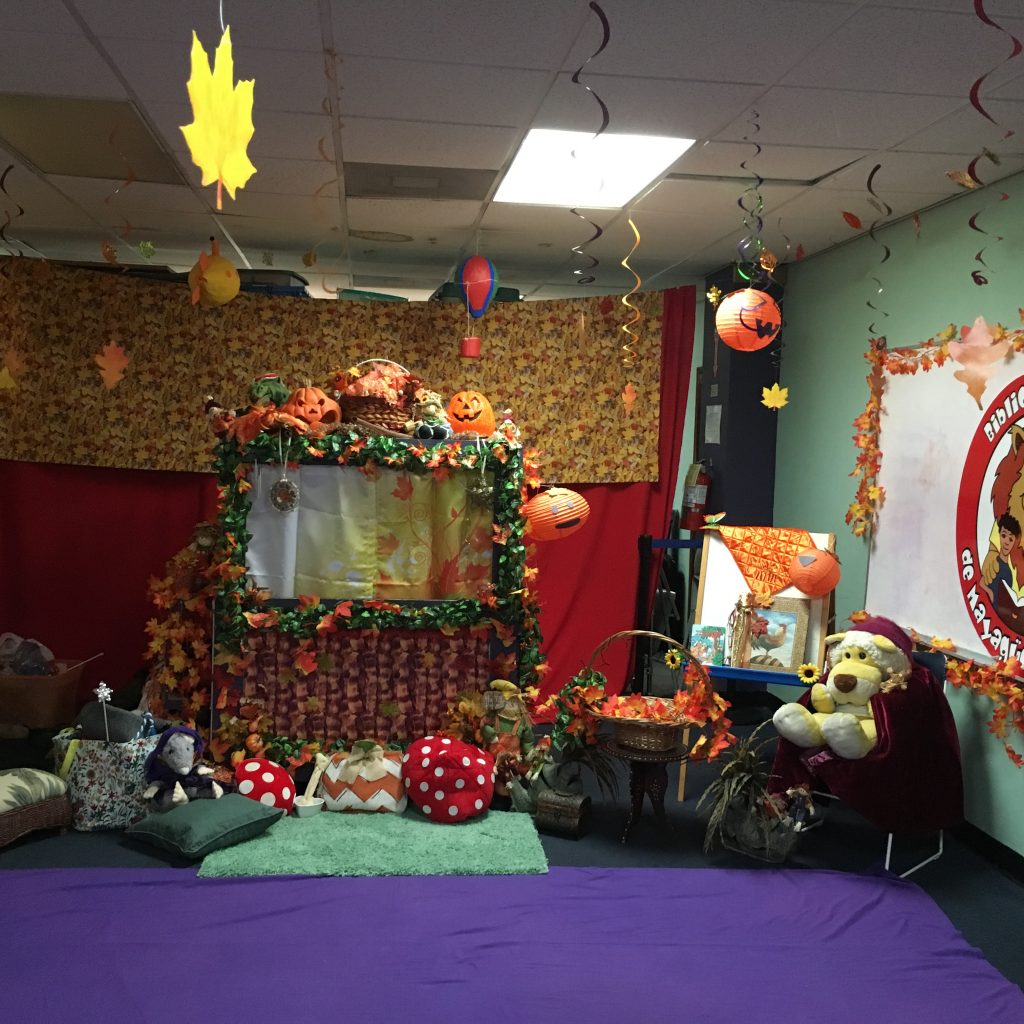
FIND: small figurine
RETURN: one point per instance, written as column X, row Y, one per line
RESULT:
column 429, row 420
column 173, row 776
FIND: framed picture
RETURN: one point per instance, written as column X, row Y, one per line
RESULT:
column 707, row 644
column 722, row 583
column 775, row 638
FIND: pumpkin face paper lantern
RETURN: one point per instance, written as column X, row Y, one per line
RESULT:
column 469, row 412
column 748, row 320
column 555, row 513
column 478, row 281
column 313, row 406
column 213, row 280
column 815, row 572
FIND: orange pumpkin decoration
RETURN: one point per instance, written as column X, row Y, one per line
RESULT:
column 815, row 572
column 313, row 406
column 469, row 412
column 748, row 320
column 555, row 513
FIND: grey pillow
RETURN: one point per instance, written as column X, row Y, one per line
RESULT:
column 123, row 725
column 199, row 827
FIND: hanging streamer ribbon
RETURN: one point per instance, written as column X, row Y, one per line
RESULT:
column 630, row 356
column 977, row 276
column 12, row 247
column 751, row 203
column 129, row 180
column 585, row 275
column 878, row 203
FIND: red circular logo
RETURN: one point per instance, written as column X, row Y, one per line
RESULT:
column 990, row 525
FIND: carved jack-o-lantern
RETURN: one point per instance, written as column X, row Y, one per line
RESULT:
column 469, row 412
column 748, row 320
column 555, row 513
column 815, row 572
column 313, row 406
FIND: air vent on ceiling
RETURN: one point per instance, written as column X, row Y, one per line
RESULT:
column 84, row 138
column 394, row 181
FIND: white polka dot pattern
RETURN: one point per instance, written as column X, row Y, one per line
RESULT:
column 450, row 780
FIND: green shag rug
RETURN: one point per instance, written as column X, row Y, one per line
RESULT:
column 332, row 843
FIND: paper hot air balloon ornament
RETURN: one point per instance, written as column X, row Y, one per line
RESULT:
column 213, row 280
column 221, row 119
column 556, row 513
column 748, row 320
column 478, row 281
column 815, row 572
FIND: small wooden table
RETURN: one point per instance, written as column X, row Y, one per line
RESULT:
column 648, row 776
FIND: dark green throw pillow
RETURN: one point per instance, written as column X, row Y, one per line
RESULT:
column 197, row 828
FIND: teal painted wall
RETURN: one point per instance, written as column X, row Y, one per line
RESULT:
column 927, row 285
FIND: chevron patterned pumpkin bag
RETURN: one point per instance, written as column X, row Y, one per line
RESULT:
column 368, row 778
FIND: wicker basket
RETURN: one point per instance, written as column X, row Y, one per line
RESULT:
column 636, row 734
column 378, row 412
column 52, row 813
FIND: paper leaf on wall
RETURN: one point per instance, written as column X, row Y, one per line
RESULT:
column 222, row 118
column 112, row 362
column 774, row 397
column 13, row 362
column 7, row 382
column 628, row 398
column 978, row 350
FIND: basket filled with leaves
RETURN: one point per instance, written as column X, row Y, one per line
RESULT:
column 378, row 392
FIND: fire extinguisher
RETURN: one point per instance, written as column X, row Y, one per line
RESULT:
column 695, row 497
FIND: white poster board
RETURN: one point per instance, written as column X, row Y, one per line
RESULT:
column 722, row 584
column 941, row 456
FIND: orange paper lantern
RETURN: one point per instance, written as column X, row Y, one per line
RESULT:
column 815, row 572
column 555, row 513
column 748, row 320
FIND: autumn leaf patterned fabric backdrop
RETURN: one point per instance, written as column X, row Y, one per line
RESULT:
column 555, row 364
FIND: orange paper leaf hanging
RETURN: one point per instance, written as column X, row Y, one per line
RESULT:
column 112, row 362
column 851, row 218
column 222, row 118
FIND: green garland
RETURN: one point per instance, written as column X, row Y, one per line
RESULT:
column 511, row 609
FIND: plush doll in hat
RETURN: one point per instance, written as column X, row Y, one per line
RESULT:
column 172, row 773
column 874, row 657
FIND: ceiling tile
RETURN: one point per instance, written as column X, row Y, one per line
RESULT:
column 724, row 41
column 101, row 193
column 266, row 23
column 418, row 91
column 825, row 117
column 411, row 216
column 966, row 132
column 526, row 34
column 47, row 16
column 55, row 65
column 374, row 141
column 717, row 199
column 799, row 163
column 916, row 172
column 895, row 50
column 293, row 177
column 645, row 106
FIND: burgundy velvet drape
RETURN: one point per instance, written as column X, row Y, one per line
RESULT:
column 79, row 544
column 587, row 582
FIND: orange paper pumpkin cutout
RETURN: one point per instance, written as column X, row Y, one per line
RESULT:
column 764, row 554
column 815, row 572
column 748, row 320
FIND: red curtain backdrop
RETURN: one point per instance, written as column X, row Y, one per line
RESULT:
column 77, row 548
column 79, row 544
column 587, row 582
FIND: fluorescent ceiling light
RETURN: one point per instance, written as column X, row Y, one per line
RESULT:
column 558, row 168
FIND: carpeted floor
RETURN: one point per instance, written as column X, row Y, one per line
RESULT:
column 385, row 844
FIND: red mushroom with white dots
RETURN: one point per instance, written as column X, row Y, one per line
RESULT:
column 266, row 782
column 448, row 780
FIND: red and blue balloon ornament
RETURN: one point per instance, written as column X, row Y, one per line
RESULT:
column 478, row 281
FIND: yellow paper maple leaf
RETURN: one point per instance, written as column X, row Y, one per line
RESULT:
column 112, row 362
column 774, row 397
column 7, row 382
column 222, row 118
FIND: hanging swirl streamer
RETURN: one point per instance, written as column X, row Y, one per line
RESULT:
column 751, row 203
column 130, row 179
column 585, row 275
column 629, row 352
column 10, row 244
column 878, row 203
column 977, row 276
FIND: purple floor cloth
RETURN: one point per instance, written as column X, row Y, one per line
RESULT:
column 576, row 945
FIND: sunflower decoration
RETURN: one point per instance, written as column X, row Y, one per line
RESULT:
column 808, row 673
column 673, row 659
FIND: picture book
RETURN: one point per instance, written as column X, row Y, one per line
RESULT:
column 707, row 644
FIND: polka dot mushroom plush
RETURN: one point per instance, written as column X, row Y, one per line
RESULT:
column 448, row 780
column 265, row 781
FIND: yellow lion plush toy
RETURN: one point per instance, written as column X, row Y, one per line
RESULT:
column 861, row 663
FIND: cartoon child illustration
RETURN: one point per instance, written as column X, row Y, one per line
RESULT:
column 1009, row 538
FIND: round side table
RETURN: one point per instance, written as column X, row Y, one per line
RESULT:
column 648, row 776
